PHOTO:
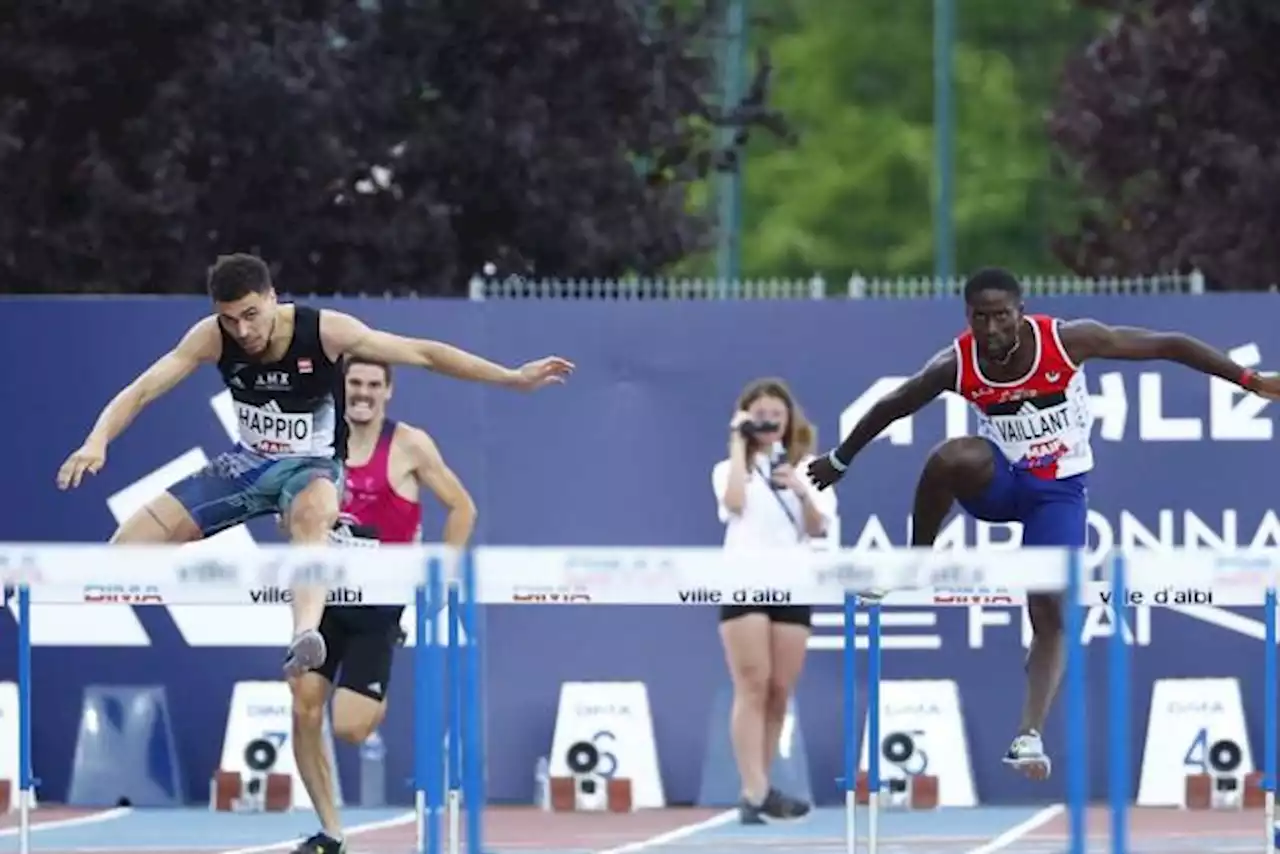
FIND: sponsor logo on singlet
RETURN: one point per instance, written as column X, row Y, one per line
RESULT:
column 1034, row 435
column 269, row 431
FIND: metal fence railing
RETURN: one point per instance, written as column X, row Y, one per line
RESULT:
column 860, row 287
column 815, row 288
column 647, row 289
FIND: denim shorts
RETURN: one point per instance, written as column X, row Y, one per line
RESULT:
column 241, row 484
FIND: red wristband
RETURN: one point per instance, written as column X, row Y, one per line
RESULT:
column 1247, row 378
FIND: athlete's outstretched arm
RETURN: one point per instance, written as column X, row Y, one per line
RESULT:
column 937, row 376
column 343, row 334
column 201, row 344
column 434, row 474
column 1089, row 339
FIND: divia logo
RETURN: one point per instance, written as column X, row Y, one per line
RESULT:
column 1233, row 415
column 118, row 625
column 1197, row 707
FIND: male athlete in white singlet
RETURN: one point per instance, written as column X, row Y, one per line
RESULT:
column 281, row 365
column 1029, row 463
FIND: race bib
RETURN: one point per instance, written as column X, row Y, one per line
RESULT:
column 277, row 433
column 1033, row 426
column 1034, row 436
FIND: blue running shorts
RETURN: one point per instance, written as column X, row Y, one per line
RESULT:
column 1052, row 512
column 241, row 484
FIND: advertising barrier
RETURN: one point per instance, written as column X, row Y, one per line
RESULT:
column 622, row 456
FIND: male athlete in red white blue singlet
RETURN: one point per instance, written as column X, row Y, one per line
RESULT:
column 1029, row 462
column 1039, row 421
column 388, row 464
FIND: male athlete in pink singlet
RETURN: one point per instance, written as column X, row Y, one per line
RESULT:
column 388, row 463
column 1029, row 463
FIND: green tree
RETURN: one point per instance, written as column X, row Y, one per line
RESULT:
column 1168, row 123
column 856, row 82
column 385, row 144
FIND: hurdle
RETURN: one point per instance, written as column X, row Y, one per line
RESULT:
column 836, row 578
column 421, row 575
column 444, row 585
column 1079, row 596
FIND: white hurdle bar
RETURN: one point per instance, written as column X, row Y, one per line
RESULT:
column 58, row 573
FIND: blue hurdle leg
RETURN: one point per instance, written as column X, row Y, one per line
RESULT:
column 850, row 722
column 1269, row 723
column 433, row 703
column 1118, row 716
column 472, row 770
column 453, row 713
column 1077, row 783
column 873, row 730
column 26, row 777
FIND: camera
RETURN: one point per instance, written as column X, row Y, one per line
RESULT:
column 751, row 428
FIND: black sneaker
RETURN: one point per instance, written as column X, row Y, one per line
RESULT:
column 749, row 813
column 775, row 807
column 321, row 843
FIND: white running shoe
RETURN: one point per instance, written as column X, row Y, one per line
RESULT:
column 1027, row 755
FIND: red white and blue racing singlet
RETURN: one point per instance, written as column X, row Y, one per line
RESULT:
column 1040, row 422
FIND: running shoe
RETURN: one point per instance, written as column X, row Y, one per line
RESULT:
column 307, row 652
column 321, row 843
column 775, row 807
column 1027, row 755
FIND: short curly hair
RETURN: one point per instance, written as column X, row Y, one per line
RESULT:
column 992, row 279
column 234, row 277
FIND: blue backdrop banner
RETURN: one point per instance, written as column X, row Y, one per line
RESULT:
column 622, row 456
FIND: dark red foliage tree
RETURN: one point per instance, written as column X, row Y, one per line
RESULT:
column 381, row 145
column 1170, row 124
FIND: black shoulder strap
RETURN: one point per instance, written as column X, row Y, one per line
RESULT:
column 306, row 326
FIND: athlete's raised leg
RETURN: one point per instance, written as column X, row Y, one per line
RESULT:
column 313, row 510
column 973, row 472
column 311, row 498
column 960, row 469
column 161, row 520
column 222, row 494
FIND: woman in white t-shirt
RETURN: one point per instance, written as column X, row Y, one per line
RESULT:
column 766, row 504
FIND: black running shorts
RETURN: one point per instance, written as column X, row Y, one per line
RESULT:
column 361, row 643
column 795, row 615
